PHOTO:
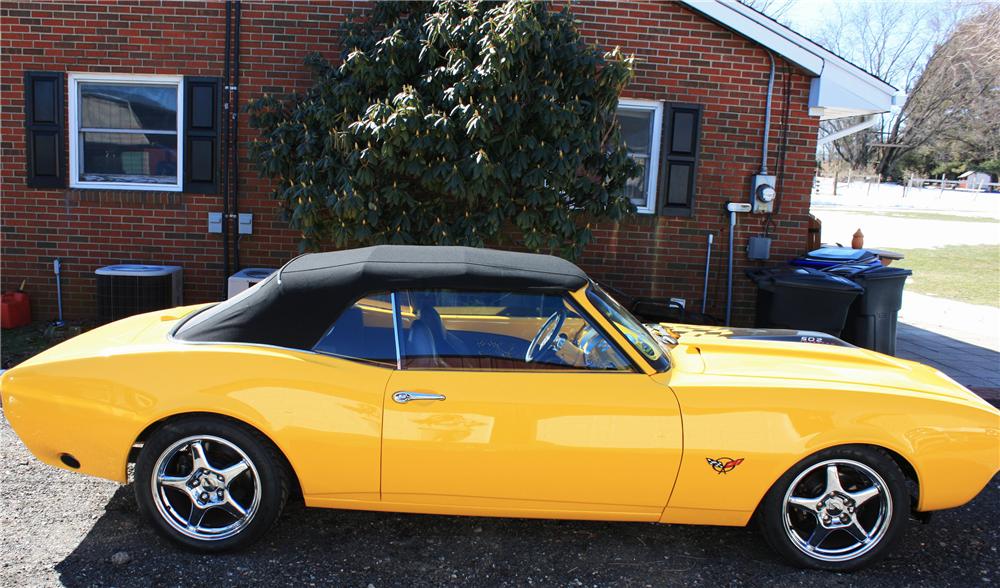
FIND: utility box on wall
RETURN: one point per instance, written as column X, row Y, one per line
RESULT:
column 124, row 290
column 246, row 278
column 762, row 193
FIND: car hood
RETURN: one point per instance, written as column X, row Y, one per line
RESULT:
column 805, row 355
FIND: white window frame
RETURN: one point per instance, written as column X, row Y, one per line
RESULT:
column 75, row 151
column 656, row 107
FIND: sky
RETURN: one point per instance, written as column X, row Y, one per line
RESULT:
column 806, row 16
column 925, row 20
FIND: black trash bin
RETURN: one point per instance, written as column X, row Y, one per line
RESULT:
column 871, row 320
column 803, row 298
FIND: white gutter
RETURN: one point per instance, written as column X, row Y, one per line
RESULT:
column 869, row 122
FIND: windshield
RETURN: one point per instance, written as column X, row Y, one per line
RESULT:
column 629, row 326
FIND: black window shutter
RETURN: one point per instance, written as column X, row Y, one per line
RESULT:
column 681, row 143
column 43, row 124
column 202, row 123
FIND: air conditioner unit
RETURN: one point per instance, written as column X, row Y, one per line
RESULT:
column 124, row 290
column 246, row 278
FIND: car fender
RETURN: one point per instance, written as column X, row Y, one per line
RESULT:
column 323, row 413
column 952, row 446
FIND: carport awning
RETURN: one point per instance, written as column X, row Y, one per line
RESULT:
column 839, row 88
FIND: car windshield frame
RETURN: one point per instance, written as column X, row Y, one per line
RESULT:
column 625, row 323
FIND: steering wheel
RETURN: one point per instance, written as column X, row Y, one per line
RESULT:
column 545, row 335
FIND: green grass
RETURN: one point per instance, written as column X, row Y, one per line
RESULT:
column 968, row 273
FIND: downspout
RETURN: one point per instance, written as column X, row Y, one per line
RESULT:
column 225, row 161
column 236, row 139
column 767, row 116
column 735, row 208
column 729, row 268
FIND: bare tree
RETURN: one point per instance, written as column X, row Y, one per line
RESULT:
column 955, row 102
column 776, row 9
column 892, row 40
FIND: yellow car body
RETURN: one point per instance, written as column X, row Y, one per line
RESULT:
column 700, row 443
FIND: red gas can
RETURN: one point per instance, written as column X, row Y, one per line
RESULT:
column 15, row 310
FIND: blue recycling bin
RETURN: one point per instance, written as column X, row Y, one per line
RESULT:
column 829, row 257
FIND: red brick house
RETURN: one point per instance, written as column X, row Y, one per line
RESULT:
column 112, row 128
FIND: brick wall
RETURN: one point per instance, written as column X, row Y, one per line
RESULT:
column 681, row 57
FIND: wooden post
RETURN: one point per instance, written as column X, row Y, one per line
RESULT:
column 836, row 176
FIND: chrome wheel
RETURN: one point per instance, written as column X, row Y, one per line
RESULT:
column 837, row 510
column 205, row 487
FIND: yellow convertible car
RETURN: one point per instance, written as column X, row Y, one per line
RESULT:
column 464, row 381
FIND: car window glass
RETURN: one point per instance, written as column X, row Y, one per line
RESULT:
column 363, row 331
column 448, row 329
column 629, row 326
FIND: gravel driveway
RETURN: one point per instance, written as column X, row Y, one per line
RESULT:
column 61, row 528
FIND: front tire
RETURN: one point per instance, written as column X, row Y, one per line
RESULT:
column 840, row 509
column 210, row 484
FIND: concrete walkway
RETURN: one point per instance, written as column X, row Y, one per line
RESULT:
column 962, row 340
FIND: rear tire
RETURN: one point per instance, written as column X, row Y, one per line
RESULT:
column 210, row 484
column 839, row 510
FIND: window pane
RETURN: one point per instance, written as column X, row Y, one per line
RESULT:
column 637, row 188
column 637, row 129
column 363, row 331
column 125, row 106
column 637, row 133
column 446, row 329
column 128, row 157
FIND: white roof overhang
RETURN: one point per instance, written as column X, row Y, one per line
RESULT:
column 839, row 88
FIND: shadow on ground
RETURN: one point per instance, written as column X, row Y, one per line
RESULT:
column 970, row 365
column 328, row 547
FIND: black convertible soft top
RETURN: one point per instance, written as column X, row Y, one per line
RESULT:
column 295, row 306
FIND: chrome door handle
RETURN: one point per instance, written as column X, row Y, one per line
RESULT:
column 402, row 397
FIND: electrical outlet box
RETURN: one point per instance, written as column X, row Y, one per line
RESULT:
column 759, row 247
column 215, row 222
column 762, row 193
column 245, row 223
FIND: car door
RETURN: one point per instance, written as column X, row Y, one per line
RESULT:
column 468, row 422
